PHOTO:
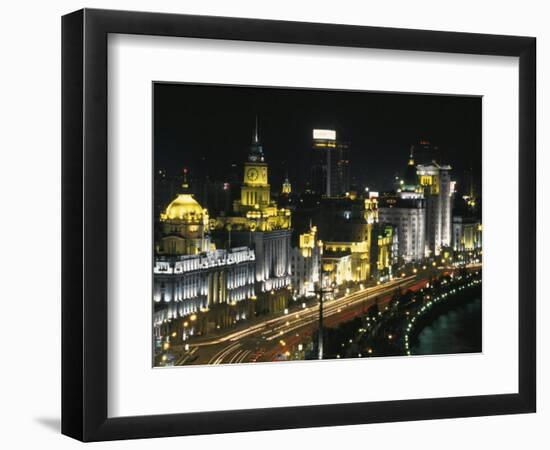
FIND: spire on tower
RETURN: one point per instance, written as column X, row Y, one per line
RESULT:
column 411, row 156
column 256, row 152
column 185, row 184
column 256, row 140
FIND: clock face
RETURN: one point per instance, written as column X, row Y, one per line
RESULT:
column 252, row 174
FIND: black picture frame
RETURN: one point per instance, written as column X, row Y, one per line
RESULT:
column 84, row 224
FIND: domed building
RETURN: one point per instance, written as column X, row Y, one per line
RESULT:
column 184, row 227
column 191, row 276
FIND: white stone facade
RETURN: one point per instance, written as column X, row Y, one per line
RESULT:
column 435, row 180
column 409, row 218
column 185, row 284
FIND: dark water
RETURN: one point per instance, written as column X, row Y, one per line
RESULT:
column 456, row 331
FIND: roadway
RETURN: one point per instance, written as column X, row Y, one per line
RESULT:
column 268, row 339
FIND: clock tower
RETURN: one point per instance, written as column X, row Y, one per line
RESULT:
column 258, row 223
column 255, row 191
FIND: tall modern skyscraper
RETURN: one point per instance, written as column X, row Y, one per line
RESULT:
column 330, row 168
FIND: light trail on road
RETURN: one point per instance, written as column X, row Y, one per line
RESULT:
column 283, row 325
column 218, row 357
column 306, row 312
column 330, row 309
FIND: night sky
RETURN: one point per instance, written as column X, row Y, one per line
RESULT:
column 213, row 126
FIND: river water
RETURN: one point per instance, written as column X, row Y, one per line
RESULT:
column 456, row 331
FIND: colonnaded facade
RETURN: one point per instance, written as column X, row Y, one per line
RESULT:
column 207, row 287
column 257, row 222
column 190, row 275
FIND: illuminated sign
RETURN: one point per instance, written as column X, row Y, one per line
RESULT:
column 329, row 135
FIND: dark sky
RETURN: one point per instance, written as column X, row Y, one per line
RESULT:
column 216, row 123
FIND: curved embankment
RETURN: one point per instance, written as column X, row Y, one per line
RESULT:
column 441, row 304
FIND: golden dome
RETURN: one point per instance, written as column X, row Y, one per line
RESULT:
column 184, row 206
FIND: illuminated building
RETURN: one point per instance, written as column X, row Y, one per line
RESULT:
column 305, row 263
column 359, row 257
column 184, row 227
column 384, row 245
column 435, row 183
column 190, row 275
column 257, row 222
column 330, row 169
column 166, row 186
column 407, row 212
column 346, row 227
column 286, row 198
column 337, row 268
column 466, row 234
column 371, row 212
column 187, row 284
column 287, row 188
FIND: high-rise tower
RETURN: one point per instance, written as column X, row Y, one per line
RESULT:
column 330, row 168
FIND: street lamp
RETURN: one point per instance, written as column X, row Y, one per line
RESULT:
column 320, row 293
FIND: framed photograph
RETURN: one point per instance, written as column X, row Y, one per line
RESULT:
column 273, row 224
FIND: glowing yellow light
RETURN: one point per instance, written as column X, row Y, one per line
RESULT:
column 183, row 206
column 193, row 317
column 324, row 134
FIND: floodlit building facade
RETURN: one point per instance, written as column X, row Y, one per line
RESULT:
column 384, row 248
column 436, row 186
column 258, row 223
column 466, row 234
column 306, row 264
column 407, row 213
column 337, row 268
column 190, row 275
